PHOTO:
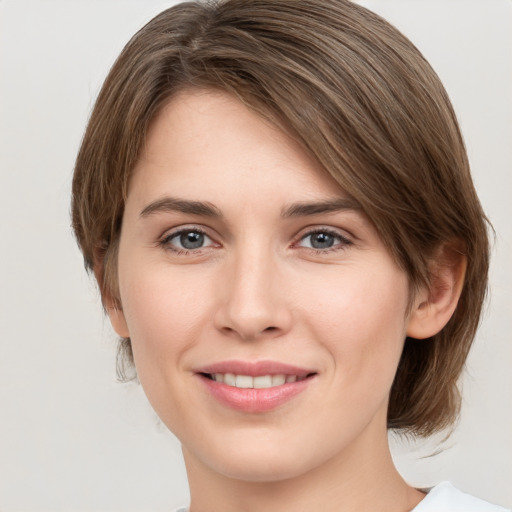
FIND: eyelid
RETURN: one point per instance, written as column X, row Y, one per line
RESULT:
column 345, row 238
column 168, row 235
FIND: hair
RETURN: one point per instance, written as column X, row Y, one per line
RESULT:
column 360, row 98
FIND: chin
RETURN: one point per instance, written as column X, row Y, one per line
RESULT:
column 261, row 469
column 257, row 460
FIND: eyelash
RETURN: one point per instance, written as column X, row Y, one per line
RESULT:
column 343, row 242
column 165, row 242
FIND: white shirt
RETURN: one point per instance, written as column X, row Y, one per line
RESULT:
column 444, row 497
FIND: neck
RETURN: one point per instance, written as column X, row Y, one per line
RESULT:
column 363, row 477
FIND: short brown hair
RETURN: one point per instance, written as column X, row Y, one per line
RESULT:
column 360, row 98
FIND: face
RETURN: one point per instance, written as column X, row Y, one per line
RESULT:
column 267, row 318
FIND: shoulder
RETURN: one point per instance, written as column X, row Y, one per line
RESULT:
column 444, row 497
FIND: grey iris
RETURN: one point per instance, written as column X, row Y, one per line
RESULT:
column 322, row 240
column 191, row 240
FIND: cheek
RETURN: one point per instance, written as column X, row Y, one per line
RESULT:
column 164, row 318
column 163, row 314
column 360, row 318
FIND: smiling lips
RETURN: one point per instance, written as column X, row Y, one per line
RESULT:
column 254, row 387
column 259, row 382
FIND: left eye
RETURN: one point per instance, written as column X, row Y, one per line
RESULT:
column 188, row 240
column 322, row 240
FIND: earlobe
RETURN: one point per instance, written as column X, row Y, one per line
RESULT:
column 112, row 306
column 434, row 306
column 118, row 321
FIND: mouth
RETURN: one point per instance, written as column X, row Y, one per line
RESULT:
column 254, row 387
column 256, row 382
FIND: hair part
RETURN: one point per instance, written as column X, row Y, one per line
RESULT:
column 360, row 98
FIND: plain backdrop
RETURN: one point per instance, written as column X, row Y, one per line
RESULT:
column 71, row 437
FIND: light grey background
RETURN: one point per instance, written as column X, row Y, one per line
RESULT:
column 71, row 438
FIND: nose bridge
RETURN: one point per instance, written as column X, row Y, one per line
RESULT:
column 253, row 304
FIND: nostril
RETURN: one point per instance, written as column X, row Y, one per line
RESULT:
column 269, row 329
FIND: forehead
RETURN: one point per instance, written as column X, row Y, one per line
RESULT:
column 202, row 141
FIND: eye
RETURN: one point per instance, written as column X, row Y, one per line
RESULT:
column 187, row 240
column 323, row 239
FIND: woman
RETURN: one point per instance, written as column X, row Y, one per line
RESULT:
column 276, row 202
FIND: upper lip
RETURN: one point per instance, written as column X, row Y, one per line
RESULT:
column 255, row 368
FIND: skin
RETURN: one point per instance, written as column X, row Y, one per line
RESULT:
column 257, row 290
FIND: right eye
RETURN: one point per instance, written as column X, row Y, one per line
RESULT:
column 186, row 240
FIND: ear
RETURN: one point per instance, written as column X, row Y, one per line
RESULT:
column 434, row 306
column 118, row 321
column 112, row 306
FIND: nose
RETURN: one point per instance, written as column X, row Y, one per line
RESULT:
column 253, row 302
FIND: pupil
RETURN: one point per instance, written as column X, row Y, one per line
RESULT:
column 322, row 240
column 192, row 240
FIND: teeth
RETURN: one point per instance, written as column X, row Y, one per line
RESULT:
column 278, row 380
column 244, row 381
column 229, row 379
column 260, row 382
column 265, row 381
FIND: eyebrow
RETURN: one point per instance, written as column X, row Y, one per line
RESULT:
column 303, row 209
column 206, row 209
column 172, row 204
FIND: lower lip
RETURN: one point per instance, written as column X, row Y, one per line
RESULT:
column 252, row 399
